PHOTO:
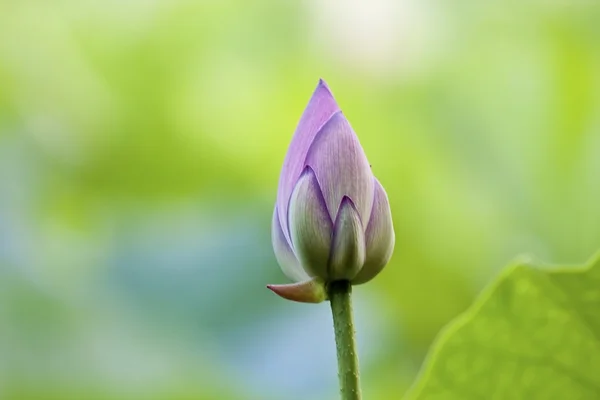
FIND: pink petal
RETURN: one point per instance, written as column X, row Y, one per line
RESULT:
column 320, row 108
column 341, row 167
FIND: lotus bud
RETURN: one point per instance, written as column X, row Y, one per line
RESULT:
column 332, row 218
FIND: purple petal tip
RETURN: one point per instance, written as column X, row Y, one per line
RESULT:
column 324, row 85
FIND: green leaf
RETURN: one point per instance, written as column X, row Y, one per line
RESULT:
column 534, row 333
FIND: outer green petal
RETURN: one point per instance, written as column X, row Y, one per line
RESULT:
column 379, row 237
column 310, row 225
column 311, row 291
column 284, row 254
column 348, row 247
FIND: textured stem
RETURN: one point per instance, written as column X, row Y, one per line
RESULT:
column 341, row 307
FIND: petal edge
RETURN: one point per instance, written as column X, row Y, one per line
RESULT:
column 379, row 237
column 284, row 254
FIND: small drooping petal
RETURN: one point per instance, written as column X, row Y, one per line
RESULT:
column 348, row 245
column 310, row 225
column 284, row 254
column 310, row 291
column 319, row 110
column 341, row 167
column 379, row 237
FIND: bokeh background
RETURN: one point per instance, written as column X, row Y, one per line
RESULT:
column 140, row 148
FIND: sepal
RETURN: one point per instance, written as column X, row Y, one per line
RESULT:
column 311, row 291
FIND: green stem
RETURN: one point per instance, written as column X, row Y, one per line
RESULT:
column 341, row 307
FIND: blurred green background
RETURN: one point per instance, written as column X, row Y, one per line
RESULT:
column 140, row 148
